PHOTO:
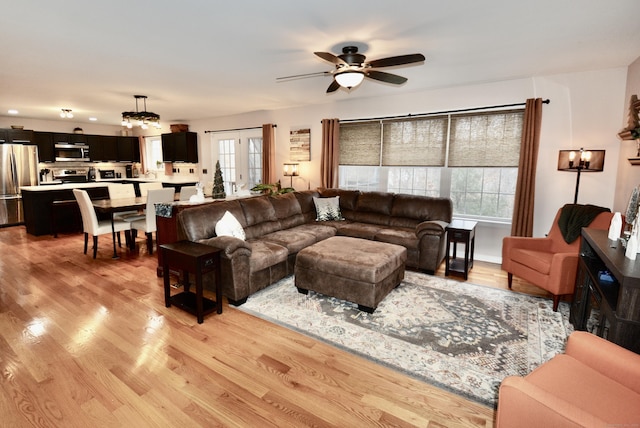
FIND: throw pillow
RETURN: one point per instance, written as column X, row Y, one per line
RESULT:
column 228, row 225
column 328, row 208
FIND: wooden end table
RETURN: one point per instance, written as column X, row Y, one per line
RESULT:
column 191, row 257
column 464, row 232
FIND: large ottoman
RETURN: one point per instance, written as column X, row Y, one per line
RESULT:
column 358, row 270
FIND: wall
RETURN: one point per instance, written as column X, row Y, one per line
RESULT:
column 585, row 111
column 60, row 125
column 628, row 175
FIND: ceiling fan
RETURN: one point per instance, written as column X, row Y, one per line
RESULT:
column 351, row 68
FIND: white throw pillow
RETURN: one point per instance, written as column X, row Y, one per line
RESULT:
column 328, row 208
column 228, row 225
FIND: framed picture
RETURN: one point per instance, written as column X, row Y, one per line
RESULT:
column 300, row 145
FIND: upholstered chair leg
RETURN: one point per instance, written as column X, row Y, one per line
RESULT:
column 119, row 241
column 150, row 242
column 509, row 279
column 556, row 301
column 86, row 242
column 95, row 246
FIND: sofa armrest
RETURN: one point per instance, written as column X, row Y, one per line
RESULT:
column 430, row 227
column 522, row 404
column 535, row 244
column 613, row 361
column 233, row 247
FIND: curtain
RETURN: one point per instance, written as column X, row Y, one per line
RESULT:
column 268, row 153
column 330, row 157
column 522, row 223
column 143, row 152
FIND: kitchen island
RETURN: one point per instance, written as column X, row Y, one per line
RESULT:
column 42, row 214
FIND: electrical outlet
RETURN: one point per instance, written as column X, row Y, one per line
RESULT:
column 204, row 171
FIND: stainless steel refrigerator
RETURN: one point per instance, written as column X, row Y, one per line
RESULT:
column 18, row 167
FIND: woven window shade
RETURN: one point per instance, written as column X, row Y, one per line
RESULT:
column 360, row 143
column 414, row 142
column 486, row 140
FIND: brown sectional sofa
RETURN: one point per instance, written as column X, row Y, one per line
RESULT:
column 278, row 227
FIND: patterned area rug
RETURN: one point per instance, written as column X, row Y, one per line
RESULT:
column 458, row 336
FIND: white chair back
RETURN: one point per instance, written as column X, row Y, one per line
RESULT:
column 120, row 190
column 88, row 213
column 153, row 197
column 187, row 192
column 145, row 187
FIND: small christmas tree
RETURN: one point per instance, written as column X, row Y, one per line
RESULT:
column 218, row 183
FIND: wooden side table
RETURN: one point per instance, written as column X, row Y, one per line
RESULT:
column 191, row 257
column 464, row 232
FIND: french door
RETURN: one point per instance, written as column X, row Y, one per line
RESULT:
column 240, row 156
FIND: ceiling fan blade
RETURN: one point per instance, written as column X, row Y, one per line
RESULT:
column 303, row 76
column 386, row 77
column 396, row 60
column 331, row 58
column 334, row 86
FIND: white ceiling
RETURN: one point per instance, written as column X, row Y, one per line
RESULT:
column 196, row 59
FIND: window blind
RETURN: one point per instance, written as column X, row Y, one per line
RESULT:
column 414, row 142
column 360, row 143
column 486, row 139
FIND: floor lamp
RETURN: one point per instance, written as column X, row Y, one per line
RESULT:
column 580, row 161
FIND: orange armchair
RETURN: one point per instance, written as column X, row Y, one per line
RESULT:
column 596, row 383
column 549, row 263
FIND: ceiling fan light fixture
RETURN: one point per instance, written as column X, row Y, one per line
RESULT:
column 349, row 79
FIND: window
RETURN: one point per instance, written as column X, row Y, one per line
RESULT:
column 470, row 158
column 153, row 152
column 240, row 156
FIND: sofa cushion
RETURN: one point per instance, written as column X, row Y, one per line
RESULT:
column 319, row 230
column 375, row 202
column 228, row 225
column 397, row 235
column 265, row 254
column 288, row 210
column 199, row 222
column 292, row 239
column 348, row 198
column 409, row 210
column 539, row 261
column 260, row 216
column 359, row 230
column 327, row 208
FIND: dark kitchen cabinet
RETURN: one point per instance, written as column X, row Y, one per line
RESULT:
column 16, row 136
column 102, row 148
column 77, row 139
column 44, row 141
column 128, row 149
column 180, row 147
column 60, row 138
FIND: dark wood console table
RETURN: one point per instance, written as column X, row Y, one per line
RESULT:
column 463, row 232
column 606, row 300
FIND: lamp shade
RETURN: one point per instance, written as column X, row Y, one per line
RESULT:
column 349, row 79
column 583, row 159
column 291, row 170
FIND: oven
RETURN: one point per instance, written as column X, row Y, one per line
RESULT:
column 72, row 152
column 71, row 175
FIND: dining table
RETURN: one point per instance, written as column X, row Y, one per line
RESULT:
column 112, row 206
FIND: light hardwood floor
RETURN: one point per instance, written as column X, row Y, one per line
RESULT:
column 89, row 343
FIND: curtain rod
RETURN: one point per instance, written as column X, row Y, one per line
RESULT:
column 237, row 129
column 547, row 101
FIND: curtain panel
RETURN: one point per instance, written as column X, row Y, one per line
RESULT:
column 522, row 222
column 268, row 153
column 330, row 157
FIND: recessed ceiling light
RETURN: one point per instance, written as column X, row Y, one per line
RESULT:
column 93, row 119
column 12, row 111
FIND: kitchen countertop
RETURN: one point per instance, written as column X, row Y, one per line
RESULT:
column 48, row 186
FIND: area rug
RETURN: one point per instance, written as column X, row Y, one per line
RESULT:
column 461, row 337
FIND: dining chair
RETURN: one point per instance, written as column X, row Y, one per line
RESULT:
column 91, row 224
column 187, row 192
column 145, row 187
column 122, row 191
column 148, row 224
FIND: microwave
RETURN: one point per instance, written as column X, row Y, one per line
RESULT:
column 72, row 152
